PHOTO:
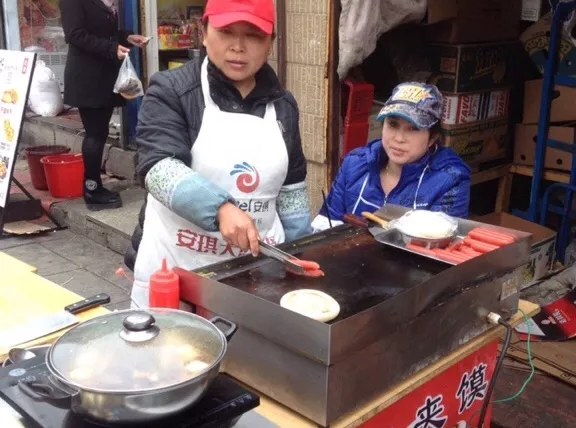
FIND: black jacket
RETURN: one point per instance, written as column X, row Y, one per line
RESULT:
column 91, row 31
column 158, row 135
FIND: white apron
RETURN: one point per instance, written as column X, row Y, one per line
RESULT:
column 242, row 154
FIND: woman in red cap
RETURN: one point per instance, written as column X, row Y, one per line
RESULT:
column 219, row 151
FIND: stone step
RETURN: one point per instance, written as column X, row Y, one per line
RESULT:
column 39, row 131
column 110, row 228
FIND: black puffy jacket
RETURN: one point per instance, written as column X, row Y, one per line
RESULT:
column 181, row 88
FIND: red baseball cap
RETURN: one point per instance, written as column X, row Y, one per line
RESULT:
column 256, row 12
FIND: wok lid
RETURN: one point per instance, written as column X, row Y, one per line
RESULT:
column 137, row 350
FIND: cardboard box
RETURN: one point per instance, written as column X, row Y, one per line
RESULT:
column 468, row 108
column 374, row 126
column 519, row 354
column 542, row 254
column 536, row 40
column 440, row 10
column 525, row 146
column 479, row 142
column 563, row 107
column 559, row 354
column 469, row 19
column 472, row 68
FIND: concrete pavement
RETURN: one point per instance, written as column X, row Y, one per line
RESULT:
column 74, row 262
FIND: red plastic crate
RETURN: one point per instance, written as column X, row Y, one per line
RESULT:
column 360, row 99
column 355, row 135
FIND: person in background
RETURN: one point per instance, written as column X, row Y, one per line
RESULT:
column 408, row 166
column 96, row 48
column 219, row 151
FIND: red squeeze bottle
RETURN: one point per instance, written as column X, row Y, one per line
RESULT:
column 164, row 288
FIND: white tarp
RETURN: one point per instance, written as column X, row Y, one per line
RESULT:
column 362, row 22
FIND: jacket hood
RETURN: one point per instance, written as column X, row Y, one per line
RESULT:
column 443, row 158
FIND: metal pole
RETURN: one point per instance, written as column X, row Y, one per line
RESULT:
column 281, row 40
column 544, row 118
column 11, row 25
column 2, row 31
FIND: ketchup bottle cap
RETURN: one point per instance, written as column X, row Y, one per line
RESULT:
column 164, row 274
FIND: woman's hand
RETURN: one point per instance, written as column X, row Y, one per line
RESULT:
column 122, row 52
column 238, row 228
column 138, row 40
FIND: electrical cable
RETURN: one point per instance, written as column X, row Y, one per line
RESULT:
column 532, row 368
column 497, row 369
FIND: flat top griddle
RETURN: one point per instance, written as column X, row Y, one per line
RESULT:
column 360, row 272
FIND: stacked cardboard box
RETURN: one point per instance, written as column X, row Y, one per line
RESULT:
column 475, row 80
column 375, row 127
column 473, row 21
column 472, row 65
column 562, row 128
column 536, row 40
column 563, row 108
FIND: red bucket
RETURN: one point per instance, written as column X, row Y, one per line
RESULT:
column 33, row 155
column 64, row 175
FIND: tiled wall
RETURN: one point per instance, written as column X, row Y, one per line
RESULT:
column 307, row 42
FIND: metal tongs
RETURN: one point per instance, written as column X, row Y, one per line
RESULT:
column 284, row 258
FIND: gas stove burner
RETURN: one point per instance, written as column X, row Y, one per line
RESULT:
column 224, row 403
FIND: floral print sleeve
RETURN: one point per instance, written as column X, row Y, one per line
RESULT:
column 186, row 192
column 293, row 210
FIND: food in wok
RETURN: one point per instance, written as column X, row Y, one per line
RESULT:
column 172, row 363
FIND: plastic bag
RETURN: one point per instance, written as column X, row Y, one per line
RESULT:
column 363, row 22
column 45, row 97
column 128, row 84
column 426, row 224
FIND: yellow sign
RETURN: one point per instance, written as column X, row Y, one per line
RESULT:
column 175, row 64
column 411, row 93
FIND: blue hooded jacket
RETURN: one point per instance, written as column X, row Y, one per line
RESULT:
column 440, row 181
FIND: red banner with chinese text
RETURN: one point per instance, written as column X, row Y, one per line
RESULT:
column 452, row 399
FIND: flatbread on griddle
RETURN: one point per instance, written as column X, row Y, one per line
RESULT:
column 312, row 304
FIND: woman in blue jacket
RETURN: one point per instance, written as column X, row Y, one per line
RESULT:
column 409, row 166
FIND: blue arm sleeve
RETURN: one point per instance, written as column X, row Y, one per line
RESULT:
column 456, row 201
column 335, row 206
